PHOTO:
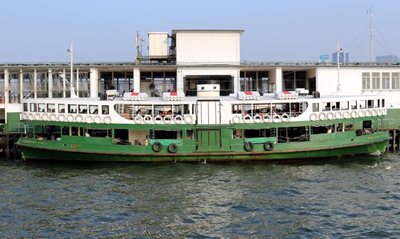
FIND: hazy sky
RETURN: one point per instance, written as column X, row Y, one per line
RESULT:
column 274, row 30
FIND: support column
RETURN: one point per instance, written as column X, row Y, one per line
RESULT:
column 179, row 81
column 6, row 87
column 94, row 83
column 35, row 83
column 21, row 85
column 236, row 81
column 64, row 76
column 50, row 84
column 77, row 82
column 136, row 79
column 278, row 79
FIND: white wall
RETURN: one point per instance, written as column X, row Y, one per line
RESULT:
column 207, row 47
column 351, row 83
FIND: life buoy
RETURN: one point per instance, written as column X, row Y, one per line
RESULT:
column 247, row 118
column 236, row 119
column 31, row 117
column 267, row 118
column 89, row 119
column 285, row 117
column 78, row 118
column 257, row 118
column 374, row 112
column 107, row 120
column 172, row 148
column 268, row 146
column 361, row 113
column 168, row 119
column 53, row 117
column 276, row 118
column 178, row 119
column 338, row 115
column 329, row 116
column 188, row 119
column 248, row 146
column 37, row 116
column 97, row 119
column 147, row 119
column 313, row 117
column 321, row 116
column 61, row 118
column 354, row 114
column 70, row 118
column 367, row 113
column 45, row 116
column 156, row 147
column 346, row 115
column 138, row 119
column 158, row 119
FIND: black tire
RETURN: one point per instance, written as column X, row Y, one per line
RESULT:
column 172, row 148
column 248, row 146
column 268, row 146
column 156, row 147
column 359, row 132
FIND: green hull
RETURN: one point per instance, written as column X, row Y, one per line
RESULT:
column 55, row 151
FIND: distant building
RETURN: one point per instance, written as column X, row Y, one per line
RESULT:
column 387, row 59
column 343, row 57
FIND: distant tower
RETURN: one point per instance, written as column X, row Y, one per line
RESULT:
column 343, row 57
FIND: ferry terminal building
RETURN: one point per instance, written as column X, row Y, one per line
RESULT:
column 180, row 60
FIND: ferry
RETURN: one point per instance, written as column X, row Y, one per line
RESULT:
column 242, row 126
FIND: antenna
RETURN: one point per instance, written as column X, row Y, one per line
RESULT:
column 138, row 45
column 371, row 36
column 338, row 51
column 71, row 54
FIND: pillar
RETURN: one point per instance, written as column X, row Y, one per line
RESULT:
column 21, row 85
column 50, row 83
column 136, row 79
column 6, row 87
column 179, row 81
column 35, row 83
column 278, row 79
column 94, row 83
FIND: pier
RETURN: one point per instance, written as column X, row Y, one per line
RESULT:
column 394, row 143
column 8, row 142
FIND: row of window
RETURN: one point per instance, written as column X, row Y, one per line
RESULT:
column 346, row 105
column 63, row 108
column 381, row 80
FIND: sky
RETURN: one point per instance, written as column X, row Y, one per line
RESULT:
column 274, row 30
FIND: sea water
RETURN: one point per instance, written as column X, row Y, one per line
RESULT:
column 356, row 197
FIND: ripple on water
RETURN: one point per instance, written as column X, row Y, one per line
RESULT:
column 355, row 197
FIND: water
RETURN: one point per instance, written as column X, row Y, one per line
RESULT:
column 354, row 197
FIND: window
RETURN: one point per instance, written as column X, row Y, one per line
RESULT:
column 82, row 109
column 353, row 105
column 104, row 110
column 376, row 80
column 93, row 109
column 51, row 108
column 61, row 108
column 366, row 81
column 386, row 80
column 41, row 107
column 326, row 106
column 395, row 80
column 71, row 108
column 25, row 107
column 33, row 107
column 315, row 107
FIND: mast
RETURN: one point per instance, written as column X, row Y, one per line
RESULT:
column 71, row 54
column 371, row 36
column 338, row 51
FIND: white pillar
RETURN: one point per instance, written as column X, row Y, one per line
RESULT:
column 64, row 77
column 236, row 81
column 94, row 83
column 77, row 82
column 6, row 87
column 21, row 85
column 179, row 80
column 136, row 79
column 278, row 79
column 50, row 83
column 35, row 83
